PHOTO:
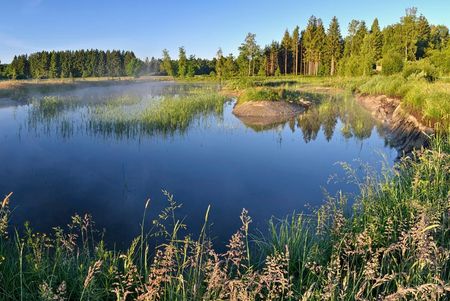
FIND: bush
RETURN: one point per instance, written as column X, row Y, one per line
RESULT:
column 392, row 63
column 420, row 69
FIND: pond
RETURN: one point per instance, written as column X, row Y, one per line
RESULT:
column 67, row 151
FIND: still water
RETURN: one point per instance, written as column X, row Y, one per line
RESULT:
column 57, row 165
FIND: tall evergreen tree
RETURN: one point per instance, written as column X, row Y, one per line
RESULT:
column 295, row 48
column 377, row 39
column 286, row 43
column 182, row 62
column 334, row 44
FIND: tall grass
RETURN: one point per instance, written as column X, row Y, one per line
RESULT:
column 393, row 245
column 159, row 115
column 431, row 100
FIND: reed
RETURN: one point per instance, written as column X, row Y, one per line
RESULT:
column 392, row 245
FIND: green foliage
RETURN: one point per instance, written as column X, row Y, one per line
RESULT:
column 167, row 65
column 134, row 67
column 420, row 69
column 392, row 63
column 182, row 62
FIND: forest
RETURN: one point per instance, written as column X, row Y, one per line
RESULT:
column 412, row 45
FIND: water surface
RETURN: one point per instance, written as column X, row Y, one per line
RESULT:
column 57, row 164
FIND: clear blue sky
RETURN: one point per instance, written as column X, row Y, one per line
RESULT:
column 147, row 26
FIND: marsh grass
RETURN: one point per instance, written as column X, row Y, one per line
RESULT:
column 124, row 115
column 165, row 115
column 393, row 245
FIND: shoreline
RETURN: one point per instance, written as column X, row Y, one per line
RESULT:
column 407, row 132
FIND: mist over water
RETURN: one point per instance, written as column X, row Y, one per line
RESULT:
column 57, row 163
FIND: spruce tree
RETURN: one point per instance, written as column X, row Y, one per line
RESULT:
column 334, row 44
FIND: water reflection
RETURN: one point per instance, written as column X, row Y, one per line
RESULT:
column 59, row 156
column 324, row 115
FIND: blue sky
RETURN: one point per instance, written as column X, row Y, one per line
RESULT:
column 147, row 26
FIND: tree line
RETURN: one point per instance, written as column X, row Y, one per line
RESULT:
column 80, row 63
column 315, row 50
column 319, row 51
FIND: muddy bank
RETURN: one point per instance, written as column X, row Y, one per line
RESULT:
column 405, row 131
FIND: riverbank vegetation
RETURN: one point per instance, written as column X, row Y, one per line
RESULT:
column 392, row 245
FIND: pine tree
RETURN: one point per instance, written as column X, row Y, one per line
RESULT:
column 54, row 65
column 377, row 39
column 319, row 47
column 334, row 44
column 308, row 41
column 295, row 48
column 286, row 43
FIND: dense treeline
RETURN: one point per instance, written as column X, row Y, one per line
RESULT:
column 412, row 45
column 65, row 64
column 80, row 63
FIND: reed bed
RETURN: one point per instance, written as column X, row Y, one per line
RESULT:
column 165, row 115
column 392, row 245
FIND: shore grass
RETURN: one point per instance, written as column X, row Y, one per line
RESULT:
column 429, row 101
column 393, row 245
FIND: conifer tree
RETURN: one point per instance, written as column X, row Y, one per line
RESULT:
column 334, row 44
column 182, row 62
column 295, row 48
column 286, row 43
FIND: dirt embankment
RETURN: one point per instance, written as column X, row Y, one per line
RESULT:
column 406, row 132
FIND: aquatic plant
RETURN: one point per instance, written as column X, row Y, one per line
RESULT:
column 157, row 115
column 393, row 245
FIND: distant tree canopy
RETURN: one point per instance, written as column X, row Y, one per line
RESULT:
column 316, row 50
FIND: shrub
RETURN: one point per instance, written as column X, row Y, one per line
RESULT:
column 421, row 69
column 392, row 63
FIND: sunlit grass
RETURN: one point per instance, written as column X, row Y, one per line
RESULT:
column 393, row 245
column 162, row 114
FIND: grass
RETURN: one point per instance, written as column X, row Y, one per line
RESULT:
column 125, row 115
column 259, row 94
column 393, row 245
column 430, row 101
column 161, row 115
